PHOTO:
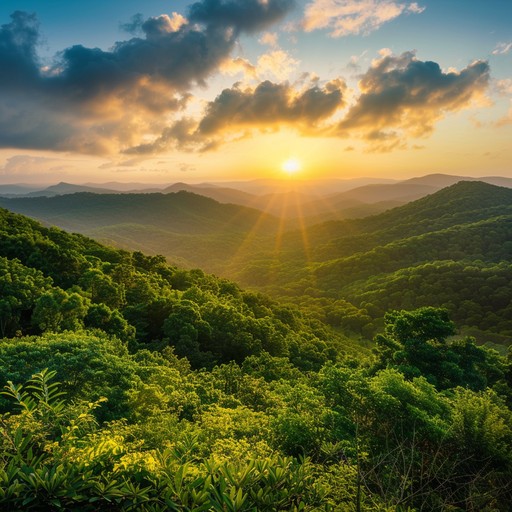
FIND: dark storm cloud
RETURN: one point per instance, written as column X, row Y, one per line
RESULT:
column 271, row 104
column 179, row 59
column 403, row 95
column 84, row 95
column 18, row 59
column 245, row 15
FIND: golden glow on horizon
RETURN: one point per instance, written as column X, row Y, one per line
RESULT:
column 264, row 157
column 291, row 166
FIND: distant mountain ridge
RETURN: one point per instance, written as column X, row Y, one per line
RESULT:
column 180, row 211
column 220, row 194
column 64, row 188
column 261, row 187
column 461, row 203
column 300, row 201
column 450, row 249
column 445, row 180
column 189, row 228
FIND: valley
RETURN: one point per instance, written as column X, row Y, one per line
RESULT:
column 450, row 248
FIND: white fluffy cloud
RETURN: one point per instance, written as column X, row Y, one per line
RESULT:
column 347, row 17
column 276, row 63
column 502, row 48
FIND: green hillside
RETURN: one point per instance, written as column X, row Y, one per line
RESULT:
column 182, row 212
column 462, row 203
column 189, row 229
column 54, row 280
column 451, row 249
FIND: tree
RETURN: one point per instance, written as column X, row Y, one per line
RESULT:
column 20, row 288
column 100, row 316
column 415, row 342
column 57, row 310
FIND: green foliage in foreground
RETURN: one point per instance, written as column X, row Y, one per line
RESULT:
column 256, row 436
column 59, row 459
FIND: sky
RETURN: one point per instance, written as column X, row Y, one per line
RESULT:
column 162, row 91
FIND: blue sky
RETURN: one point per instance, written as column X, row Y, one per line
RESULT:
column 224, row 89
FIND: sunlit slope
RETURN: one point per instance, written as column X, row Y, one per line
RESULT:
column 55, row 281
column 185, row 227
column 459, row 204
column 451, row 249
column 180, row 212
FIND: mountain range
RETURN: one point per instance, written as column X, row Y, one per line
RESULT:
column 304, row 201
column 451, row 248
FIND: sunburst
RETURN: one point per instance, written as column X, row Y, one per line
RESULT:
column 291, row 166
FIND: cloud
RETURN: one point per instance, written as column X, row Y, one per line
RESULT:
column 21, row 168
column 18, row 41
column 354, row 62
column 237, row 111
column 131, row 162
column 79, row 102
column 134, row 25
column 164, row 24
column 243, row 15
column 269, row 39
column 271, row 104
column 502, row 48
column 402, row 96
column 349, row 17
column 277, row 63
column 504, row 86
column 398, row 98
column 238, row 65
column 181, row 134
column 25, row 164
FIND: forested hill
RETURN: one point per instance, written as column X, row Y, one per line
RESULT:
column 181, row 212
column 462, row 203
column 189, row 229
column 51, row 281
column 451, row 249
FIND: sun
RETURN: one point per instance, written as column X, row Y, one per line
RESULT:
column 291, row 166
